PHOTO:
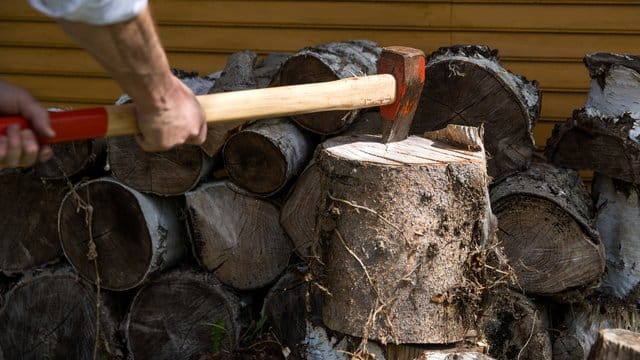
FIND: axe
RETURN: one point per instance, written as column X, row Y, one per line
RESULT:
column 395, row 88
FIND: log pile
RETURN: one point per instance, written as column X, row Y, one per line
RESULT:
column 308, row 238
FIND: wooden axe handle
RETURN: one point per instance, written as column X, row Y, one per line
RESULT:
column 345, row 94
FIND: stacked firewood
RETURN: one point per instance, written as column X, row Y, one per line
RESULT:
column 307, row 238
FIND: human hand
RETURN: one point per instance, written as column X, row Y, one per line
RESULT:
column 20, row 148
column 172, row 119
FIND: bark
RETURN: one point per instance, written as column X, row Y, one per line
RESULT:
column 399, row 221
column 286, row 307
column 546, row 226
column 51, row 314
column 300, row 211
column 618, row 220
column 414, row 352
column 266, row 155
column 29, row 235
column 74, row 159
column 237, row 75
column 168, row 173
column 466, row 85
column 330, row 62
column 579, row 325
column 267, row 70
column 617, row 344
column 135, row 235
column 181, row 315
column 237, row 237
column 603, row 136
column 516, row 327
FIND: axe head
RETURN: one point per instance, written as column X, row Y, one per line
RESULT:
column 407, row 65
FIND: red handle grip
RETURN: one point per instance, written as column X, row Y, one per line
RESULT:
column 69, row 125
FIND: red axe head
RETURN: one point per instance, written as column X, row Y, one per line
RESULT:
column 407, row 65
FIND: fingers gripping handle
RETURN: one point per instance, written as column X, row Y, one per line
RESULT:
column 68, row 125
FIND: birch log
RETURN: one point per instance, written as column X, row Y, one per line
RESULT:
column 466, row 85
column 237, row 237
column 28, row 230
column 399, row 221
column 604, row 135
column 266, row 155
column 51, row 314
column 175, row 315
column 329, row 62
column 547, row 229
column 135, row 235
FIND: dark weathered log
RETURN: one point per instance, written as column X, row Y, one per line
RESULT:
column 135, row 235
column 237, row 75
column 181, row 315
column 399, row 222
column 367, row 123
column 300, row 211
column 166, row 173
column 267, row 70
column 466, row 85
column 329, row 62
column 51, row 314
column 286, row 309
column 237, row 237
column 265, row 155
column 617, row 344
column 603, row 136
column 618, row 222
column 74, row 159
column 29, row 234
column 579, row 324
column 546, row 226
column 516, row 327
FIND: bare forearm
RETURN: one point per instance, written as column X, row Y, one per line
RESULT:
column 132, row 54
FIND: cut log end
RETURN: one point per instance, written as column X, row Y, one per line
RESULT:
column 617, row 344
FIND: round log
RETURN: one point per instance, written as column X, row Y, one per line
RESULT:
column 29, row 234
column 425, row 352
column 546, row 226
column 135, row 235
column 74, row 159
column 181, row 315
column 330, row 62
column 618, row 222
column 516, row 327
column 285, row 307
column 466, row 85
column 617, row 344
column 237, row 237
column 265, row 155
column 300, row 211
column 604, row 135
column 51, row 314
column 399, row 221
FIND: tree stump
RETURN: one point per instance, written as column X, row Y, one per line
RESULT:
column 603, row 136
column 617, row 344
column 51, row 314
column 546, row 226
column 29, row 234
column 516, row 327
column 181, row 315
column 74, row 159
column 135, row 235
column 330, row 62
column 579, row 324
column 399, row 222
column 466, row 85
column 266, row 155
column 237, row 237
column 618, row 222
